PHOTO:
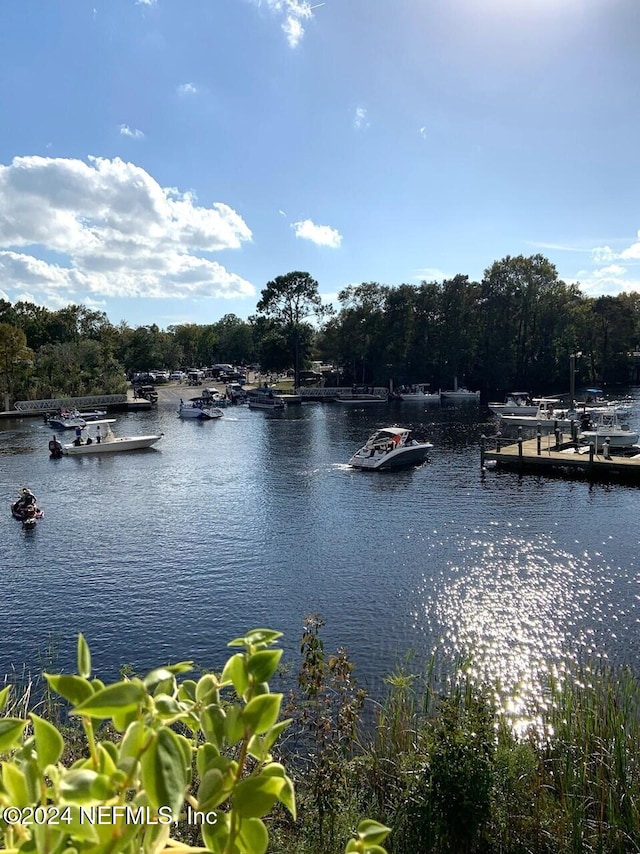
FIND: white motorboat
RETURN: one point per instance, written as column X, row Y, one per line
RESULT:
column 390, row 448
column 547, row 417
column 68, row 419
column 96, row 437
column 460, row 394
column 197, row 409
column 418, row 392
column 269, row 402
column 607, row 427
column 517, row 403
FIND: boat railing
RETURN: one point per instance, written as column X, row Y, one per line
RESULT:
column 69, row 402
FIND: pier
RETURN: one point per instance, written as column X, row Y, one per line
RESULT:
column 550, row 454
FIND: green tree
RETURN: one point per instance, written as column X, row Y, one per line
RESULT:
column 289, row 300
column 15, row 358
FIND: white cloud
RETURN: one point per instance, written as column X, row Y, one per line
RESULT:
column 115, row 230
column 293, row 13
column 430, row 274
column 602, row 254
column 322, row 235
column 146, row 2
column 360, row 118
column 134, row 133
column 423, row 132
column 187, row 89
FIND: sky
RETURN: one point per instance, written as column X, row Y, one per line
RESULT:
column 163, row 160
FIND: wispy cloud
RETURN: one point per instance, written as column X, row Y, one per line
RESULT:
column 187, row 89
column 146, row 2
column 360, row 118
column 293, row 14
column 430, row 274
column 423, row 132
column 322, row 235
column 119, row 233
column 134, row 133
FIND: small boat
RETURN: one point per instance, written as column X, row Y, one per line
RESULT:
column 547, row 417
column 419, row 392
column 265, row 399
column 362, row 395
column 196, row 408
column 68, row 419
column 26, row 509
column 517, row 403
column 460, row 394
column 94, row 439
column 390, row 448
column 607, row 428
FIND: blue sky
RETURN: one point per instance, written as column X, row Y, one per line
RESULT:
column 162, row 160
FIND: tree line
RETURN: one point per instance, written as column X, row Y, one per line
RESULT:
column 517, row 327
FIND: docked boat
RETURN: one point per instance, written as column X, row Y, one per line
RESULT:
column 390, row 448
column 26, row 509
column 264, row 398
column 96, row 437
column 547, row 417
column 198, row 409
column 419, row 393
column 460, row 394
column 68, row 419
column 517, row 403
column 362, row 395
column 608, row 428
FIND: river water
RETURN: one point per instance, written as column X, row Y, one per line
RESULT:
column 256, row 520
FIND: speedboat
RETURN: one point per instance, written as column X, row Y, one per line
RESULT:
column 68, row 419
column 198, row 409
column 607, row 427
column 390, row 448
column 26, row 509
column 95, row 439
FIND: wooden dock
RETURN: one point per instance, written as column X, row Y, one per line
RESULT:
column 548, row 454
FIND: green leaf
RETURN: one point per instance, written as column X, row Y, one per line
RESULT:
column 49, row 742
column 119, row 697
column 85, row 785
column 207, row 690
column 253, row 837
column 15, row 783
column 84, row 657
column 261, row 713
column 11, row 730
column 134, row 739
column 255, row 796
column 72, row 688
column 263, row 664
column 235, row 671
column 164, row 773
column 4, row 696
column 256, row 636
column 212, row 721
column 213, row 789
column 187, row 690
column 233, row 725
column 205, row 755
column 372, row 832
column 215, row 836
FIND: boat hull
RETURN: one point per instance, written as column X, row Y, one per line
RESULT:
column 269, row 406
column 616, row 439
column 115, row 445
column 401, row 458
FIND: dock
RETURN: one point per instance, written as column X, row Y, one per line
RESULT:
column 549, row 454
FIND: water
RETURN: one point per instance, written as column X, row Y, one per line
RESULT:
column 256, row 520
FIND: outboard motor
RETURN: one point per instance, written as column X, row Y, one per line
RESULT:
column 55, row 448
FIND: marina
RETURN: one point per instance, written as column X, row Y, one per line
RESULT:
column 159, row 554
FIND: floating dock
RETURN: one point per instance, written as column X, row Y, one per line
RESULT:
column 550, row 455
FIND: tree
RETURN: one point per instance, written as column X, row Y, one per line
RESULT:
column 14, row 356
column 288, row 300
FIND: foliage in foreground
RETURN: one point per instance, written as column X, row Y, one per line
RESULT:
column 188, row 753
